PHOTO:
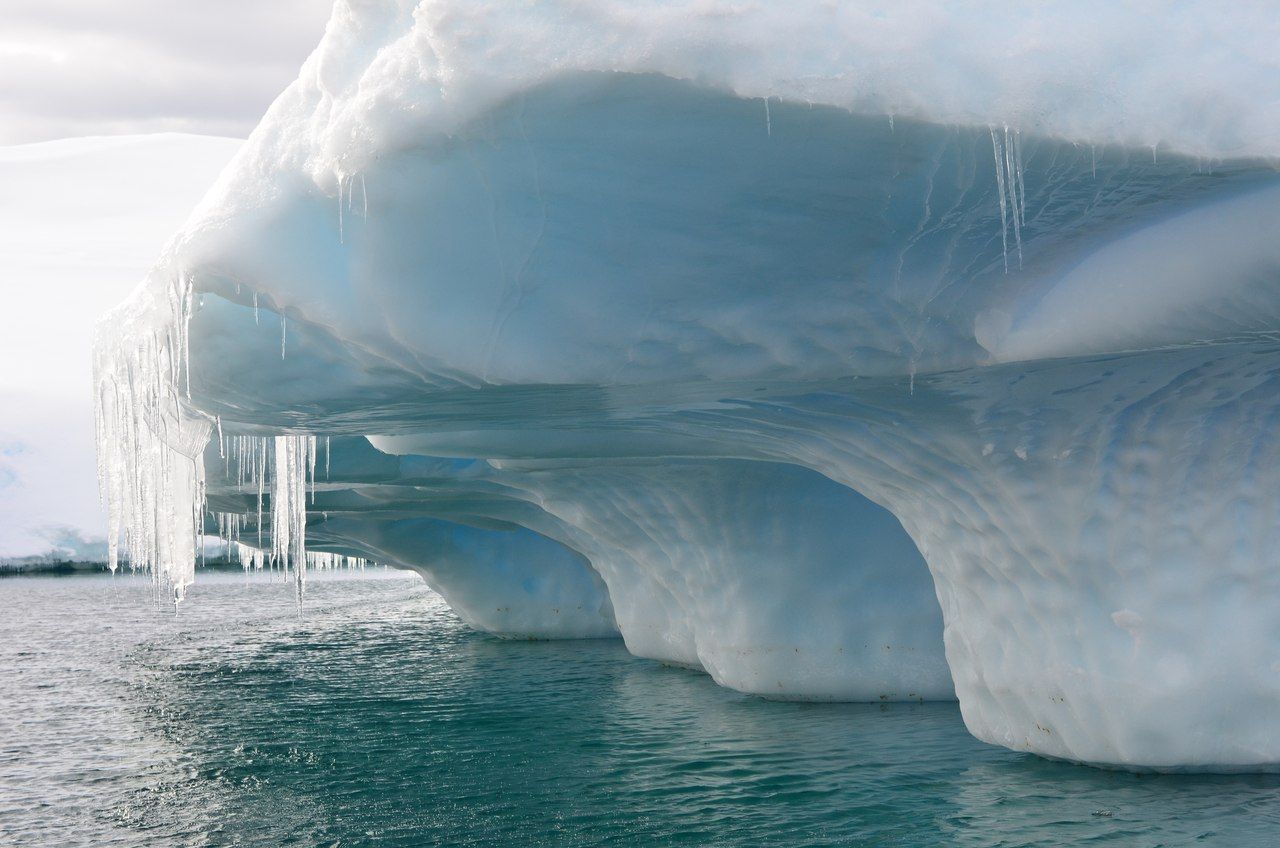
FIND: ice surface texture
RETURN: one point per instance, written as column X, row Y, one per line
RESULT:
column 600, row 341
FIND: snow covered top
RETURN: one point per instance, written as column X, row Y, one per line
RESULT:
column 1092, row 72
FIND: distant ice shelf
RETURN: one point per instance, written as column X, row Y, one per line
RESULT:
column 831, row 380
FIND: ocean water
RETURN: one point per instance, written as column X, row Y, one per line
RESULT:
column 378, row 718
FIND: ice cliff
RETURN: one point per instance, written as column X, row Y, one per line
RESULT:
column 844, row 353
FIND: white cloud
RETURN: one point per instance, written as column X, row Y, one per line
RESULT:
column 88, row 67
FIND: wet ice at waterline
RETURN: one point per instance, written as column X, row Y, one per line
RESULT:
column 835, row 354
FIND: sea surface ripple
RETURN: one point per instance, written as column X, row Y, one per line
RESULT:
column 376, row 717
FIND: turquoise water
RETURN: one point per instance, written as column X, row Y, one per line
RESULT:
column 377, row 718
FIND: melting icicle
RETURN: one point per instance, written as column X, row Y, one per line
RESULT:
column 324, row 561
column 1004, row 224
column 311, row 468
column 250, row 557
column 294, row 455
column 151, row 448
column 1013, row 170
column 341, row 240
column 347, row 199
column 260, row 476
column 151, row 445
column 1010, row 188
column 1017, row 167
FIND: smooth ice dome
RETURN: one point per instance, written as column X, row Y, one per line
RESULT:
column 840, row 353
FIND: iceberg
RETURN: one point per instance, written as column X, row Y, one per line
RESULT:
column 841, row 353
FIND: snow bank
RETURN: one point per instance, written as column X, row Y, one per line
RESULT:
column 1191, row 78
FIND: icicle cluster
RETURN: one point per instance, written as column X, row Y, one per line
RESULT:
column 150, row 443
column 230, row 525
column 251, row 455
column 250, row 557
column 256, row 559
column 323, row 561
column 295, row 457
column 1007, row 148
column 283, row 467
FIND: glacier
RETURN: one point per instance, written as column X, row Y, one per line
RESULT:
column 927, row 360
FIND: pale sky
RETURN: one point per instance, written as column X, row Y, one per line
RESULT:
column 82, row 219
column 93, row 67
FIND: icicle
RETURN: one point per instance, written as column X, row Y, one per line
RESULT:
column 768, row 121
column 283, row 327
column 255, row 308
column 1011, row 182
column 340, row 227
column 249, row 557
column 260, row 477
column 1004, row 225
column 364, row 196
column 311, row 467
column 326, row 458
column 150, row 445
column 185, row 296
column 1010, row 189
column 1017, row 163
column 328, row 561
column 294, row 454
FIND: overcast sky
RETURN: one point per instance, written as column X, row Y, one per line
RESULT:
column 89, row 67
column 81, row 220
